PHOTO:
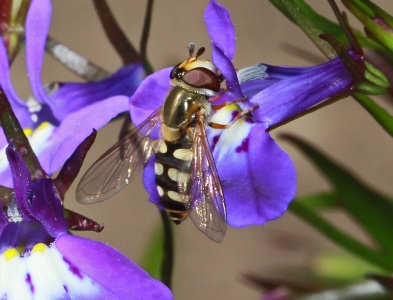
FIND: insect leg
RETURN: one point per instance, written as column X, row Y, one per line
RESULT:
column 237, row 117
column 217, row 107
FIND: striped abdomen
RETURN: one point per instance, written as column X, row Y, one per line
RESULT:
column 172, row 158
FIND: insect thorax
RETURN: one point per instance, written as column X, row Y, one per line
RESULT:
column 180, row 111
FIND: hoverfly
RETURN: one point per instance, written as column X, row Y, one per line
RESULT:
column 186, row 177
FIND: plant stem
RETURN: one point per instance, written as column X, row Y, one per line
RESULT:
column 167, row 260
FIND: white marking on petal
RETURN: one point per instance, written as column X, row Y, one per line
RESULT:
column 33, row 105
column 34, row 118
column 40, row 139
column 12, row 276
column 42, row 274
column 13, row 212
column 232, row 137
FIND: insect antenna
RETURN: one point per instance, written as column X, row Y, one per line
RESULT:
column 200, row 52
column 191, row 49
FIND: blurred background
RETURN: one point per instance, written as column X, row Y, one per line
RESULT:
column 203, row 269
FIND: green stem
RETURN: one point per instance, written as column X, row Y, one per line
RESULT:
column 308, row 27
column 167, row 260
column 377, row 112
column 340, row 238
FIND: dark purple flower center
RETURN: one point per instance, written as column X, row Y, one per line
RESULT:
column 24, row 236
column 243, row 146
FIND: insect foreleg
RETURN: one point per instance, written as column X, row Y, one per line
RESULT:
column 237, row 117
column 217, row 107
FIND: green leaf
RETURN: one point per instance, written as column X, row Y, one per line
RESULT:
column 374, row 83
column 326, row 200
column 339, row 237
column 377, row 22
column 370, row 209
column 377, row 112
column 341, row 266
column 375, row 76
column 327, row 26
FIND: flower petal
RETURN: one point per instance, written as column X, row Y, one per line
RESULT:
column 222, row 62
column 258, row 178
column 26, row 233
column 21, row 179
column 114, row 272
column 149, row 181
column 296, row 94
column 37, row 28
column 13, row 284
column 39, row 141
column 75, row 128
column 71, row 97
column 46, row 207
column 220, row 28
column 18, row 105
column 43, row 273
column 150, row 95
column 35, row 198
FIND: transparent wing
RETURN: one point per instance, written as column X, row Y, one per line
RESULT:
column 200, row 189
column 120, row 164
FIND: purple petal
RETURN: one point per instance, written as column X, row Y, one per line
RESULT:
column 21, row 179
column 220, row 28
column 118, row 276
column 294, row 95
column 71, row 97
column 256, row 78
column 46, row 206
column 251, row 88
column 37, row 27
column 150, row 95
column 258, row 178
column 35, row 199
column 149, row 181
column 222, row 62
column 76, row 127
column 18, row 105
column 26, row 233
column 3, row 223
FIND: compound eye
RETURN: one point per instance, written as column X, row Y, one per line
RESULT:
column 174, row 71
column 202, row 78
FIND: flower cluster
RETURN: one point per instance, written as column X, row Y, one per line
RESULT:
column 39, row 258
column 57, row 121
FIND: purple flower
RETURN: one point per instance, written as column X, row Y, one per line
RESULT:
column 39, row 259
column 258, row 178
column 57, row 122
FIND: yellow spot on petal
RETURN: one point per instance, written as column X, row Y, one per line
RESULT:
column 232, row 107
column 10, row 253
column 28, row 131
column 42, row 126
column 40, row 247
